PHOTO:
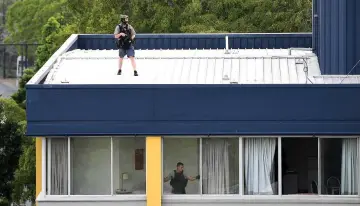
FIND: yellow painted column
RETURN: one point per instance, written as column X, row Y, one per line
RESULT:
column 38, row 165
column 153, row 171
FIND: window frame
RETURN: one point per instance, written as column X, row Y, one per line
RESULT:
column 279, row 196
column 46, row 171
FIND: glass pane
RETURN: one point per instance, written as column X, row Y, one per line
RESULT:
column 59, row 166
column 220, row 166
column 181, row 166
column 260, row 163
column 299, row 165
column 129, row 165
column 91, row 166
column 339, row 166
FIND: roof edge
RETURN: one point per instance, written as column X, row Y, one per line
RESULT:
column 44, row 70
column 202, row 35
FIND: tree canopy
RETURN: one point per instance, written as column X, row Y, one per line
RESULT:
column 12, row 121
column 25, row 19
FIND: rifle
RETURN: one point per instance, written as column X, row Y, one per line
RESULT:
column 120, row 42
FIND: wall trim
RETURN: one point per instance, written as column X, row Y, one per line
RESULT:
column 300, row 199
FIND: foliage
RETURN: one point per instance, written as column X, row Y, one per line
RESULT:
column 20, row 95
column 26, row 18
column 12, row 132
column 25, row 175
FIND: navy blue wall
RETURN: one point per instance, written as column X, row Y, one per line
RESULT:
column 192, row 109
column 202, row 41
column 336, row 34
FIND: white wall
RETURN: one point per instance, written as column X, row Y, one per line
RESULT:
column 124, row 162
column 185, row 150
column 91, row 165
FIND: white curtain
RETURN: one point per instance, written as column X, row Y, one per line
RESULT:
column 216, row 166
column 59, row 166
column 259, row 160
column 349, row 165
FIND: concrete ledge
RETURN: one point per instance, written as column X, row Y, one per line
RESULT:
column 211, row 200
column 92, row 200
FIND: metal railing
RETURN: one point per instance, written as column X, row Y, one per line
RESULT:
column 16, row 57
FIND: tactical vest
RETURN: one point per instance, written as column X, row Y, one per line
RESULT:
column 178, row 183
column 124, row 42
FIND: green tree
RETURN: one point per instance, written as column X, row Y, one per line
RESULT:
column 26, row 18
column 12, row 132
column 20, row 95
column 24, row 184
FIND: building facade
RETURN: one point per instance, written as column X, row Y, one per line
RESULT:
column 259, row 117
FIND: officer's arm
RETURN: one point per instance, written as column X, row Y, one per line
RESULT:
column 190, row 178
column 167, row 178
column 193, row 178
column 117, row 32
column 133, row 33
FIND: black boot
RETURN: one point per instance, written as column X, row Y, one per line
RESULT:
column 119, row 72
column 136, row 73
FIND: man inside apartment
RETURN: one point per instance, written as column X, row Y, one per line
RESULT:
column 178, row 179
column 125, row 35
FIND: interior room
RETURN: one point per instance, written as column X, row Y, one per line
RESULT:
column 91, row 166
column 185, row 150
column 339, row 166
column 300, row 162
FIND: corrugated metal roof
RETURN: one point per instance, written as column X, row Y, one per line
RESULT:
column 246, row 66
column 337, row 79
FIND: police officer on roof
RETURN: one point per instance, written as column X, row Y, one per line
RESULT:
column 125, row 35
column 178, row 179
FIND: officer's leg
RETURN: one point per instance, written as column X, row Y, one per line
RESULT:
column 131, row 55
column 122, row 53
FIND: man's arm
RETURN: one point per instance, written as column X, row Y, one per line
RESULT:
column 117, row 33
column 192, row 178
column 168, row 177
column 133, row 33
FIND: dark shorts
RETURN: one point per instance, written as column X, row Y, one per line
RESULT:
column 128, row 52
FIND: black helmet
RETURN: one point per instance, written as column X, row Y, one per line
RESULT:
column 124, row 18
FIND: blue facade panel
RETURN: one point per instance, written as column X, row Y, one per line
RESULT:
column 336, row 34
column 202, row 41
column 57, row 110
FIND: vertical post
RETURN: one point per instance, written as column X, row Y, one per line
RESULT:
column 319, row 167
column 22, row 58
column 241, row 166
column 48, row 167
column 279, row 167
column 43, row 165
column 227, row 44
column 69, row 165
column 38, row 146
column 4, row 62
column 358, row 165
column 153, row 171
column 200, row 165
column 26, row 56
column 111, row 166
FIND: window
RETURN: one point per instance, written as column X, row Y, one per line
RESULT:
column 299, row 166
column 339, row 166
column 216, row 158
column 262, row 165
column 186, row 152
column 58, row 159
column 91, row 166
column 96, row 166
column 220, row 166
